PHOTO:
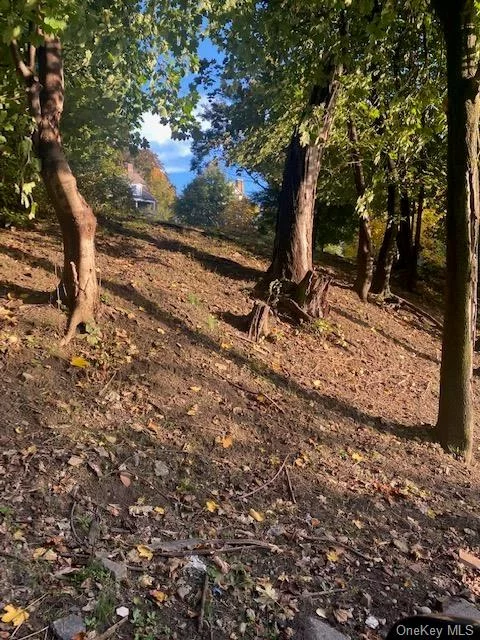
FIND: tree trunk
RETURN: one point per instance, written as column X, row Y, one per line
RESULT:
column 363, row 280
column 386, row 255
column 77, row 221
column 292, row 253
column 455, row 414
column 404, row 235
column 417, row 243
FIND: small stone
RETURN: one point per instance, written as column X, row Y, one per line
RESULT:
column 161, row 469
column 372, row 623
column 27, row 376
column 424, row 611
column 118, row 569
column 69, row 627
column 122, row 612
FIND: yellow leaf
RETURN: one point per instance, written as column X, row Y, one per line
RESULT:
column 50, row 555
column 193, row 410
column 160, row 510
column 39, row 552
column 333, row 556
column 211, row 506
column 225, row 441
column 18, row 535
column 261, row 398
column 317, row 383
column 78, row 361
column 195, row 388
column 356, row 457
column 256, row 515
column 14, row 615
column 358, row 524
column 225, row 345
column 159, row 596
column 144, row 551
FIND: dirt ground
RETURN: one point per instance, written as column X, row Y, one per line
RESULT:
column 301, row 466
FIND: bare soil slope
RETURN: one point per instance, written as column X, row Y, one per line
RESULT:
column 168, row 424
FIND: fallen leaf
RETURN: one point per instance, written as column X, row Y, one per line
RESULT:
column 144, row 551
column 78, row 361
column 469, row 559
column 321, row 613
column 125, row 479
column 195, row 388
column 256, row 515
column 75, row 461
column 14, row 615
column 342, row 615
column 225, row 441
column 317, row 383
column 193, row 410
column 38, row 553
column 211, row 506
column 159, row 596
column 356, row 457
column 333, row 555
column 358, row 524
column 160, row 510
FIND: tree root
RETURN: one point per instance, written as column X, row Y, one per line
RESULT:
column 302, row 302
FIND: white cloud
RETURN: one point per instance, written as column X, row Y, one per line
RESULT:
column 153, row 130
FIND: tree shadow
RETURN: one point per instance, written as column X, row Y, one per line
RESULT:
column 26, row 294
column 326, row 402
column 383, row 333
column 223, row 266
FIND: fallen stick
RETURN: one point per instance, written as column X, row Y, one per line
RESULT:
column 113, row 629
column 290, row 487
column 325, row 592
column 203, row 601
column 265, row 484
column 35, row 633
column 253, row 393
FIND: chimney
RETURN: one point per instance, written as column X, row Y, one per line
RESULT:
column 129, row 168
column 239, row 188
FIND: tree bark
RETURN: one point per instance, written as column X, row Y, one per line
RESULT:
column 45, row 93
column 386, row 255
column 455, row 421
column 292, row 253
column 404, row 235
column 363, row 280
column 417, row 243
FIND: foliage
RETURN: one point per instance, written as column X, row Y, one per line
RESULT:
column 205, row 200
column 148, row 164
column 239, row 215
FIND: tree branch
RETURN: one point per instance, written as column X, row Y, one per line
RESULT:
column 22, row 68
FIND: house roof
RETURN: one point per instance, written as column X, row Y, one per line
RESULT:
column 145, row 196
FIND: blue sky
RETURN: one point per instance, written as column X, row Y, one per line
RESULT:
column 176, row 155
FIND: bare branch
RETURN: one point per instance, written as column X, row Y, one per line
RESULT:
column 20, row 65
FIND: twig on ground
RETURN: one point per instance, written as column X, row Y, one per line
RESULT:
column 253, row 393
column 113, row 629
column 339, row 544
column 35, row 633
column 105, row 387
column 203, row 601
column 325, row 592
column 290, row 486
column 265, row 484
column 72, row 518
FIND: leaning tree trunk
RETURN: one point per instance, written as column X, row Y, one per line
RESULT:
column 455, row 414
column 77, row 221
column 417, row 243
column 292, row 253
column 363, row 280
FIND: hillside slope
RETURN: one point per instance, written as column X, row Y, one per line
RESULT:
column 169, row 424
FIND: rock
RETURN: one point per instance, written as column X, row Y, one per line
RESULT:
column 314, row 629
column 69, row 627
column 118, row 569
column 460, row 608
column 424, row 611
column 27, row 376
column 122, row 612
column 161, row 469
column 372, row 623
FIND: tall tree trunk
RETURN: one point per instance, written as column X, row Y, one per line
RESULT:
column 417, row 242
column 386, row 255
column 77, row 222
column 364, row 251
column 292, row 253
column 404, row 236
column 455, row 414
